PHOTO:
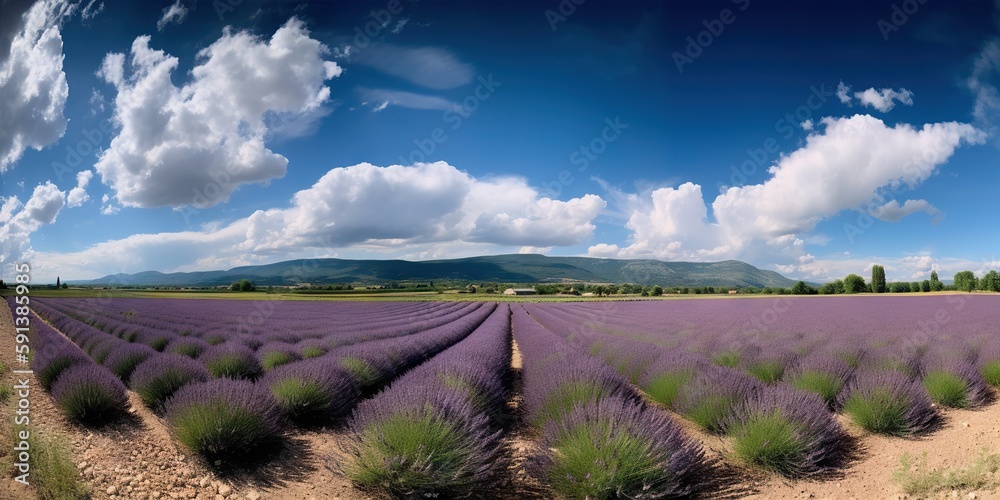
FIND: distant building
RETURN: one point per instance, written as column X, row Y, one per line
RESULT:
column 733, row 292
column 520, row 291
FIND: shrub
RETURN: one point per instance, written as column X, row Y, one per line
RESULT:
column 276, row 354
column 786, row 431
column 123, row 359
column 821, row 374
column 617, row 448
column 158, row 378
column 225, row 420
column 231, row 360
column 667, row 375
column 887, row 403
column 312, row 391
column 47, row 368
column 311, row 348
column 946, row 389
column 90, row 394
column 190, row 347
column 711, row 397
column 989, row 363
column 430, row 449
column 991, row 372
column 364, row 374
column 728, row 358
column 953, row 381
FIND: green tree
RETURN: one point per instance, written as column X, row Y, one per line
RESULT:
column 925, row 286
column 801, row 288
column 915, row 286
column 878, row 279
column 990, row 282
column 936, row 284
column 854, row 284
column 242, row 286
column 833, row 287
column 58, row 284
column 657, row 291
column 965, row 281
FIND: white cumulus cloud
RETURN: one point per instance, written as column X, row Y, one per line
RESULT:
column 883, row 100
column 18, row 221
column 33, row 88
column 196, row 144
column 425, row 210
column 847, row 165
column 78, row 195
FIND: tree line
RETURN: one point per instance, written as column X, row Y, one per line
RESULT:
column 963, row 281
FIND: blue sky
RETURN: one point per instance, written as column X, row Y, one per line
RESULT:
column 811, row 138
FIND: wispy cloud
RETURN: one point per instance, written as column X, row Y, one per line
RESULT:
column 173, row 14
column 430, row 67
column 380, row 99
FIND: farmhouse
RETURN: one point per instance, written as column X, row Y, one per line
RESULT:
column 520, row 291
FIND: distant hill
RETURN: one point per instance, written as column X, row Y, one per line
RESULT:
column 516, row 268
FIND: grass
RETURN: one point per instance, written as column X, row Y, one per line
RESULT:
column 880, row 413
column 363, row 373
column 595, row 462
column 769, row 441
column 991, row 372
column 303, row 401
column 946, row 389
column 53, row 471
column 818, row 382
column 665, row 387
column 919, row 481
column 405, row 455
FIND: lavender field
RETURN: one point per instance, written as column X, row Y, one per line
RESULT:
column 613, row 395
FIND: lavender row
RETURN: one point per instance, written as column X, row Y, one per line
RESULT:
column 284, row 321
column 297, row 338
column 885, row 387
column 228, row 419
column 435, row 431
column 83, row 390
column 774, row 427
column 599, row 439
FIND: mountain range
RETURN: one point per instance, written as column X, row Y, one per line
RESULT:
column 515, row 268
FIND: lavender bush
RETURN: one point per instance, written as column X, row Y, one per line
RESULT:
column 158, row 378
column 90, row 394
column 887, row 402
column 226, row 420
column 787, row 431
column 616, row 448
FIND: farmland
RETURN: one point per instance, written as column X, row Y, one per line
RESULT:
column 571, row 399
